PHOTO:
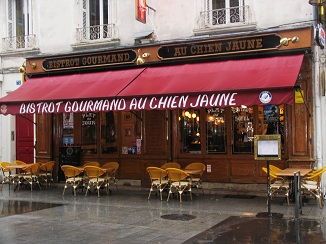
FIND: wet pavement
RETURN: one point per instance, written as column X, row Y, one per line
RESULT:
column 126, row 216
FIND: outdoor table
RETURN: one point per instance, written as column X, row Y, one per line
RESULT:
column 289, row 172
column 193, row 171
column 15, row 167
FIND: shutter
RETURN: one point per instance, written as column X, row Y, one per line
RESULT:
column 10, row 18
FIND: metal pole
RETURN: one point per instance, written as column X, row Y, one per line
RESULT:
column 297, row 194
column 268, row 191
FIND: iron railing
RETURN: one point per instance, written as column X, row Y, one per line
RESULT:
column 96, row 32
column 224, row 16
column 18, row 42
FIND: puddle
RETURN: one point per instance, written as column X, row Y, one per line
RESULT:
column 181, row 217
column 11, row 207
column 262, row 230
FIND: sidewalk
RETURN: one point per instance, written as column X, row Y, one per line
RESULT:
column 126, row 216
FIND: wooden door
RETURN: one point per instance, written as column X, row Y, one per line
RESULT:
column 25, row 138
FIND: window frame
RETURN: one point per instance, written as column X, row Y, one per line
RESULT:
column 209, row 8
column 87, row 14
column 12, row 18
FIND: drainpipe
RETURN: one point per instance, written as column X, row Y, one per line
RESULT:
column 318, row 65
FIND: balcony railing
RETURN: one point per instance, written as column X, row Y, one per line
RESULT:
column 18, row 42
column 96, row 32
column 225, row 16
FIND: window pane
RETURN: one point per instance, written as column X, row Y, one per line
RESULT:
column 68, row 129
column 94, row 9
column 218, row 15
column 89, row 121
column 215, row 131
column 273, row 120
column 109, row 133
column 131, row 132
column 190, row 131
column 242, row 117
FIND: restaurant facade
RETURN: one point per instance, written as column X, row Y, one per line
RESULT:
column 187, row 101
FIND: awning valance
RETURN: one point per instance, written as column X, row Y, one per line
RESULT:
column 258, row 81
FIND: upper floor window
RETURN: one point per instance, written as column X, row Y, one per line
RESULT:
column 19, row 25
column 225, row 11
column 97, row 24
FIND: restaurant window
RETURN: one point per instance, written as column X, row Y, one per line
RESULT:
column 190, row 131
column 96, row 19
column 272, row 118
column 68, row 129
column 109, row 133
column 242, row 121
column 215, row 131
column 89, row 132
column 131, row 132
column 224, row 12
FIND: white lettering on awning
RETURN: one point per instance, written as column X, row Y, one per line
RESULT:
column 140, row 103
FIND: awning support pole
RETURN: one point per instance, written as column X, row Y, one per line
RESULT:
column 28, row 119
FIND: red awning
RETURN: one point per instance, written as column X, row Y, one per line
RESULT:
column 249, row 82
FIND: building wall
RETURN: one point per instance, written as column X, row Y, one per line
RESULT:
column 55, row 23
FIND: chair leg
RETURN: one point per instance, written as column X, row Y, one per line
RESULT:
column 170, row 192
column 64, row 189
column 288, row 197
column 150, row 191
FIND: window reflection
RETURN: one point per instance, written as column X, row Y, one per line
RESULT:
column 108, row 133
column 190, row 131
column 89, row 124
column 215, row 134
column 273, row 120
column 241, row 118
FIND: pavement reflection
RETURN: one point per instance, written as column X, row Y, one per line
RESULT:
column 261, row 230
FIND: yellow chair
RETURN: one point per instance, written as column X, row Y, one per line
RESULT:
column 7, row 175
column 179, row 181
column 31, row 175
column 94, row 177
column 197, row 180
column 278, row 184
column 73, row 177
column 274, row 168
column 112, row 169
column 316, row 171
column 46, row 172
column 19, row 162
column 97, row 164
column 311, row 186
column 158, row 180
column 171, row 165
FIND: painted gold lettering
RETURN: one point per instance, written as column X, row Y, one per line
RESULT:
column 259, row 43
column 229, row 46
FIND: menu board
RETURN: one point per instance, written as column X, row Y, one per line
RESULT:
column 267, row 147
